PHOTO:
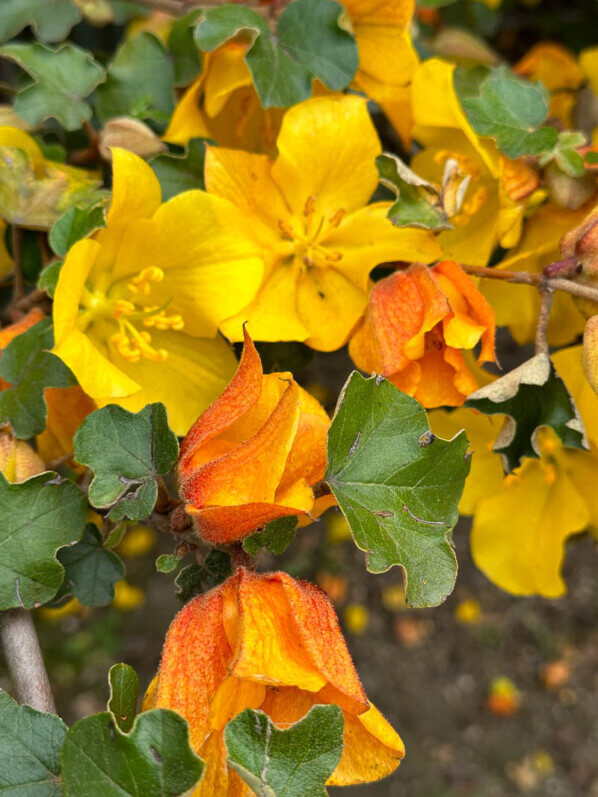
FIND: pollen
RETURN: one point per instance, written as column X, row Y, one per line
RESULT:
column 142, row 283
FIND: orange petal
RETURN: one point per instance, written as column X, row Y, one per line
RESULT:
column 22, row 325
column 480, row 311
column 67, row 408
column 241, row 394
column 222, row 525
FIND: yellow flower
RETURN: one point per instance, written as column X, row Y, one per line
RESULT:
column 493, row 208
column 126, row 596
column 35, row 191
column 138, row 541
column 357, row 618
column 522, row 521
column 517, row 306
column 308, row 212
column 137, row 306
column 222, row 103
column 468, row 612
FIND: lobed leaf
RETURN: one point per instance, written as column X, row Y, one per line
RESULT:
column 51, row 20
column 91, row 571
column 397, row 485
column 127, row 452
column 124, row 693
column 295, row 762
column 39, row 516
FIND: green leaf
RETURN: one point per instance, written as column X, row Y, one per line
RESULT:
column 127, row 452
column 62, row 78
column 29, row 367
column 75, row 224
column 140, row 82
column 91, row 570
column 167, row 562
column 178, row 173
column 48, row 277
column 532, row 395
column 30, row 745
column 184, row 51
column 124, row 693
column 275, row 537
column 419, row 202
column 295, row 762
column 195, row 579
column 309, row 43
column 39, row 516
column 153, row 760
column 565, row 154
column 397, row 484
column 51, row 20
column 510, row 110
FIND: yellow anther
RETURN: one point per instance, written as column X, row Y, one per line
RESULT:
column 141, row 283
column 333, row 257
column 310, row 206
column 163, row 322
column 285, row 228
column 123, row 307
column 335, row 220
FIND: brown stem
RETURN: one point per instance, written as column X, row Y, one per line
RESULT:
column 546, row 295
column 25, row 661
column 536, row 280
column 17, row 256
column 178, row 8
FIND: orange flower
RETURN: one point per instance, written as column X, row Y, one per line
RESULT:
column 271, row 642
column 22, row 325
column 416, row 323
column 254, row 454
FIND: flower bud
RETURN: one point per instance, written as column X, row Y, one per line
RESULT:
column 129, row 134
column 590, row 351
column 18, row 461
column 581, row 244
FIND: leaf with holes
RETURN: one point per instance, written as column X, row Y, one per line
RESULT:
column 62, row 78
column 309, row 43
column 397, row 484
column 532, row 395
column 39, row 516
column 127, row 452
column 153, row 760
column 295, row 762
column 124, row 693
column 91, row 571
column 30, row 745
column 29, row 368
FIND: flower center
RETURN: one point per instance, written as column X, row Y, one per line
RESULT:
column 131, row 312
column 303, row 238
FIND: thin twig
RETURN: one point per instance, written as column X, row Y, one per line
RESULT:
column 17, row 256
column 546, row 295
column 536, row 280
column 24, row 659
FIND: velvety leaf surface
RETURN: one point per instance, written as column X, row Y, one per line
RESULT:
column 532, row 395
column 295, row 762
column 91, row 571
column 178, row 173
column 140, row 82
column 275, row 537
column 39, row 516
column 124, row 693
column 184, row 50
column 29, row 367
column 195, row 579
column 127, row 452
column 153, row 760
column 73, row 225
column 397, row 484
column 62, row 78
column 30, row 745
column 51, row 20
column 309, row 43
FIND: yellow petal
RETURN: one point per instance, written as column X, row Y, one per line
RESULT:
column 226, row 71
column 195, row 373
column 14, row 137
column 518, row 535
column 212, row 267
column 273, row 315
column 188, row 120
column 136, row 192
column 327, row 147
column 372, row 749
column 568, row 363
column 588, row 61
column 329, row 306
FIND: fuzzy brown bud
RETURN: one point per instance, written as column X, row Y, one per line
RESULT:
column 130, row 134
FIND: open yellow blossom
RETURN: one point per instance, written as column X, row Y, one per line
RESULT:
column 308, row 212
column 495, row 202
column 222, row 103
column 137, row 306
column 521, row 522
